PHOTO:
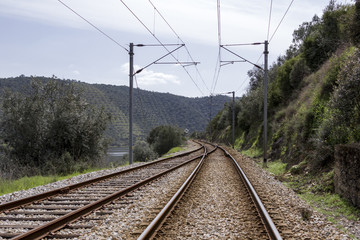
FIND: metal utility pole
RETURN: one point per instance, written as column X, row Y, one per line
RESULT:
column 131, row 76
column 233, row 120
column 210, row 117
column 266, row 53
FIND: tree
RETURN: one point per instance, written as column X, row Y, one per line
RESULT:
column 52, row 126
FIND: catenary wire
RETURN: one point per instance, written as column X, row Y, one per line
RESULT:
column 179, row 38
column 218, row 61
column 268, row 32
column 281, row 20
column 219, row 21
column 91, row 24
column 217, row 78
column 215, row 71
column 158, row 40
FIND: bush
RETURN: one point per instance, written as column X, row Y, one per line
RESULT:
column 355, row 26
column 342, row 124
column 299, row 71
column 143, row 152
column 52, row 127
column 163, row 138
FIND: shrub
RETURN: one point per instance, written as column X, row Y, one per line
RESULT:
column 355, row 26
column 143, row 152
column 299, row 71
column 163, row 138
column 51, row 127
column 343, row 124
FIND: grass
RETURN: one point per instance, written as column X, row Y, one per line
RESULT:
column 317, row 191
column 172, row 151
column 252, row 152
column 276, row 167
column 9, row 186
column 332, row 205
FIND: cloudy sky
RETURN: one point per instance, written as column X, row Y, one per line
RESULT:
column 45, row 38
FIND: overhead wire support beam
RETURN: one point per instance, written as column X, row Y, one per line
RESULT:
column 159, row 45
column 169, row 53
column 240, row 44
column 244, row 59
column 229, row 62
column 185, row 64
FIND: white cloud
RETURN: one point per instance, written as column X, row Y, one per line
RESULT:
column 148, row 77
column 76, row 72
column 73, row 69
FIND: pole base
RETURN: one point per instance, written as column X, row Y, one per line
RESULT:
column 264, row 163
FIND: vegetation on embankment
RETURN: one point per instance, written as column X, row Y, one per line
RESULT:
column 314, row 101
column 313, row 94
column 316, row 189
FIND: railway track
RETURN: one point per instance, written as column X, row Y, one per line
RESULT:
column 210, row 209
column 41, row 215
column 62, row 213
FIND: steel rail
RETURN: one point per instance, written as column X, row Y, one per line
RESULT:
column 17, row 203
column 56, row 224
column 264, row 215
column 155, row 225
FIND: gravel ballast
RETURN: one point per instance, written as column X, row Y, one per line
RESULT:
column 289, row 206
column 282, row 203
column 216, row 206
column 80, row 178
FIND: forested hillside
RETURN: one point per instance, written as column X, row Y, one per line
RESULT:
column 151, row 109
column 313, row 97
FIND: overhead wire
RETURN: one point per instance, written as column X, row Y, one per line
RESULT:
column 218, row 61
column 158, row 40
column 268, row 31
column 93, row 25
column 217, row 73
column 179, row 38
column 219, row 22
column 281, row 21
column 267, row 37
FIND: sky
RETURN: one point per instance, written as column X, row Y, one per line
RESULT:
column 45, row 38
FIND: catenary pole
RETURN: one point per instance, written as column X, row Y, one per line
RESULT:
column 131, row 76
column 266, row 53
column 210, row 117
column 131, row 80
column 233, row 120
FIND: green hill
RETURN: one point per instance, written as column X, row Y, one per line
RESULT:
column 150, row 109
